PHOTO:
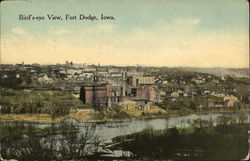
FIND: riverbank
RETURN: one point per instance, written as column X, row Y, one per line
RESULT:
column 110, row 115
column 32, row 118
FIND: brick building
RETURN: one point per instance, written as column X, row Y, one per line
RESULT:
column 103, row 95
column 144, row 93
column 98, row 95
column 145, row 96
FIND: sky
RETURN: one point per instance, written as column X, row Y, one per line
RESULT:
column 173, row 33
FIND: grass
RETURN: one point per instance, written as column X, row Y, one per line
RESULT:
column 39, row 118
column 82, row 116
column 132, row 111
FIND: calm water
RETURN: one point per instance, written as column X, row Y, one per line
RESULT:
column 109, row 130
column 106, row 134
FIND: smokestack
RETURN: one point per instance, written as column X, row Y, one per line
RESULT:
column 123, row 83
column 96, row 78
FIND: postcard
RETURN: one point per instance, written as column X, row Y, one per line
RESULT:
column 124, row 80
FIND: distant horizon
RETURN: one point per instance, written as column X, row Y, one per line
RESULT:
column 122, row 65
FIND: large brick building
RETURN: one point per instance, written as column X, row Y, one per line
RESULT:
column 102, row 95
column 98, row 95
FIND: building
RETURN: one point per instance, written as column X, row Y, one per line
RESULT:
column 99, row 95
column 105, row 94
column 233, row 98
column 135, row 81
column 143, row 94
column 134, row 73
column 230, row 101
column 175, row 94
column 185, row 89
column 45, row 79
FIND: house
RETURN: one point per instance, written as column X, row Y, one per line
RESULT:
column 144, row 105
column 206, row 92
column 219, row 94
column 212, row 93
column 233, row 98
column 185, row 89
column 223, row 78
column 199, row 80
column 162, row 93
column 87, row 74
column 134, row 73
column 90, row 69
column 165, row 82
column 63, row 72
column 229, row 101
column 4, row 76
column 216, row 81
column 182, row 82
column 175, row 94
column 116, row 75
column 45, row 79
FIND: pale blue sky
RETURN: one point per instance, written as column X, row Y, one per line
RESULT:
column 142, row 28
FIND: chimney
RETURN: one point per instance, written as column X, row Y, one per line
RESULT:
column 123, row 83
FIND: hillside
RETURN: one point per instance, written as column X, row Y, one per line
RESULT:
column 234, row 72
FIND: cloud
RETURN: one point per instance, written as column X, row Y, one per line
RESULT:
column 105, row 28
column 18, row 31
column 63, row 32
column 187, row 21
column 100, row 28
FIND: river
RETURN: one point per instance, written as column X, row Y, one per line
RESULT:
column 109, row 130
column 105, row 132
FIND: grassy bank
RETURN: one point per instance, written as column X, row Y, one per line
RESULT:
column 112, row 114
column 38, row 118
column 121, row 114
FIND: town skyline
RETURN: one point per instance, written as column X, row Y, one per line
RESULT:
column 122, row 65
